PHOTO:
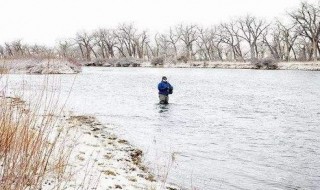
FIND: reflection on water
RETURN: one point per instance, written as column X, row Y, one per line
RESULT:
column 163, row 107
column 228, row 129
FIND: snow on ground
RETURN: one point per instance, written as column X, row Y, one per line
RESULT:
column 39, row 66
column 95, row 157
column 308, row 66
column 100, row 160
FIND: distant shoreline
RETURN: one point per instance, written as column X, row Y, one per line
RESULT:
column 65, row 66
column 304, row 66
column 39, row 66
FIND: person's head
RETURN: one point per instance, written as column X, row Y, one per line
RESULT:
column 164, row 79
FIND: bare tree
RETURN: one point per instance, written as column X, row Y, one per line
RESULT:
column 8, row 49
column 125, row 36
column 274, row 42
column 307, row 16
column 204, row 43
column 210, row 43
column 40, row 50
column 64, row 48
column 163, row 47
column 131, row 42
column 252, row 29
column 140, row 41
column 229, row 34
column 216, row 44
column 173, row 39
column 155, row 50
column 84, row 41
column 98, row 38
column 188, row 34
column 17, row 47
column 2, row 54
column 289, row 35
column 105, row 40
column 109, row 41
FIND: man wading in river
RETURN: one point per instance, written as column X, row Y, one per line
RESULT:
column 165, row 89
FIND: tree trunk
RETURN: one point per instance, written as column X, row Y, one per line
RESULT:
column 315, row 49
column 252, row 52
column 81, row 51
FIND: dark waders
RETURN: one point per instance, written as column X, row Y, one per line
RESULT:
column 164, row 99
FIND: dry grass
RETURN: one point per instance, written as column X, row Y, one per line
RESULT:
column 30, row 146
column 3, row 70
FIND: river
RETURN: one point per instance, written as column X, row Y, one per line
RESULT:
column 226, row 129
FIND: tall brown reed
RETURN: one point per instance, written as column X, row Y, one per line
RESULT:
column 29, row 142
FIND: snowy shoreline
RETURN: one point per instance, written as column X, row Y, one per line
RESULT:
column 65, row 66
column 112, row 162
column 305, row 66
column 39, row 66
column 91, row 155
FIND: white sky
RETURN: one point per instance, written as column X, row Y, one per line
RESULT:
column 45, row 21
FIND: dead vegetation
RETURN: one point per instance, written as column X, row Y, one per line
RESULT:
column 31, row 147
column 27, row 150
column 39, row 65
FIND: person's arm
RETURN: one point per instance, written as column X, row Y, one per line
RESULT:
column 161, row 87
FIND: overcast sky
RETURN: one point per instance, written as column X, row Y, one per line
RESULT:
column 45, row 21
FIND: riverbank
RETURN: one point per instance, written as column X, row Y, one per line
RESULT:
column 306, row 66
column 102, row 160
column 263, row 65
column 53, row 151
column 39, row 66
column 66, row 66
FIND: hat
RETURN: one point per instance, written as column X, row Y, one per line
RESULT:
column 164, row 78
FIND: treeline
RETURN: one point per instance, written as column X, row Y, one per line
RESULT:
column 247, row 38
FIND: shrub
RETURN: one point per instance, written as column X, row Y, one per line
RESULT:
column 126, row 62
column 3, row 70
column 158, row 61
column 267, row 63
column 183, row 59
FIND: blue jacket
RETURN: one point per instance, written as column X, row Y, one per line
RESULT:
column 164, row 88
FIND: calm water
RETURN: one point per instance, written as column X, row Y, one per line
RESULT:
column 228, row 129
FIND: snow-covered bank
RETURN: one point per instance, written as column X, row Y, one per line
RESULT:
column 101, row 160
column 39, row 66
column 262, row 64
column 56, row 150
column 307, row 66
